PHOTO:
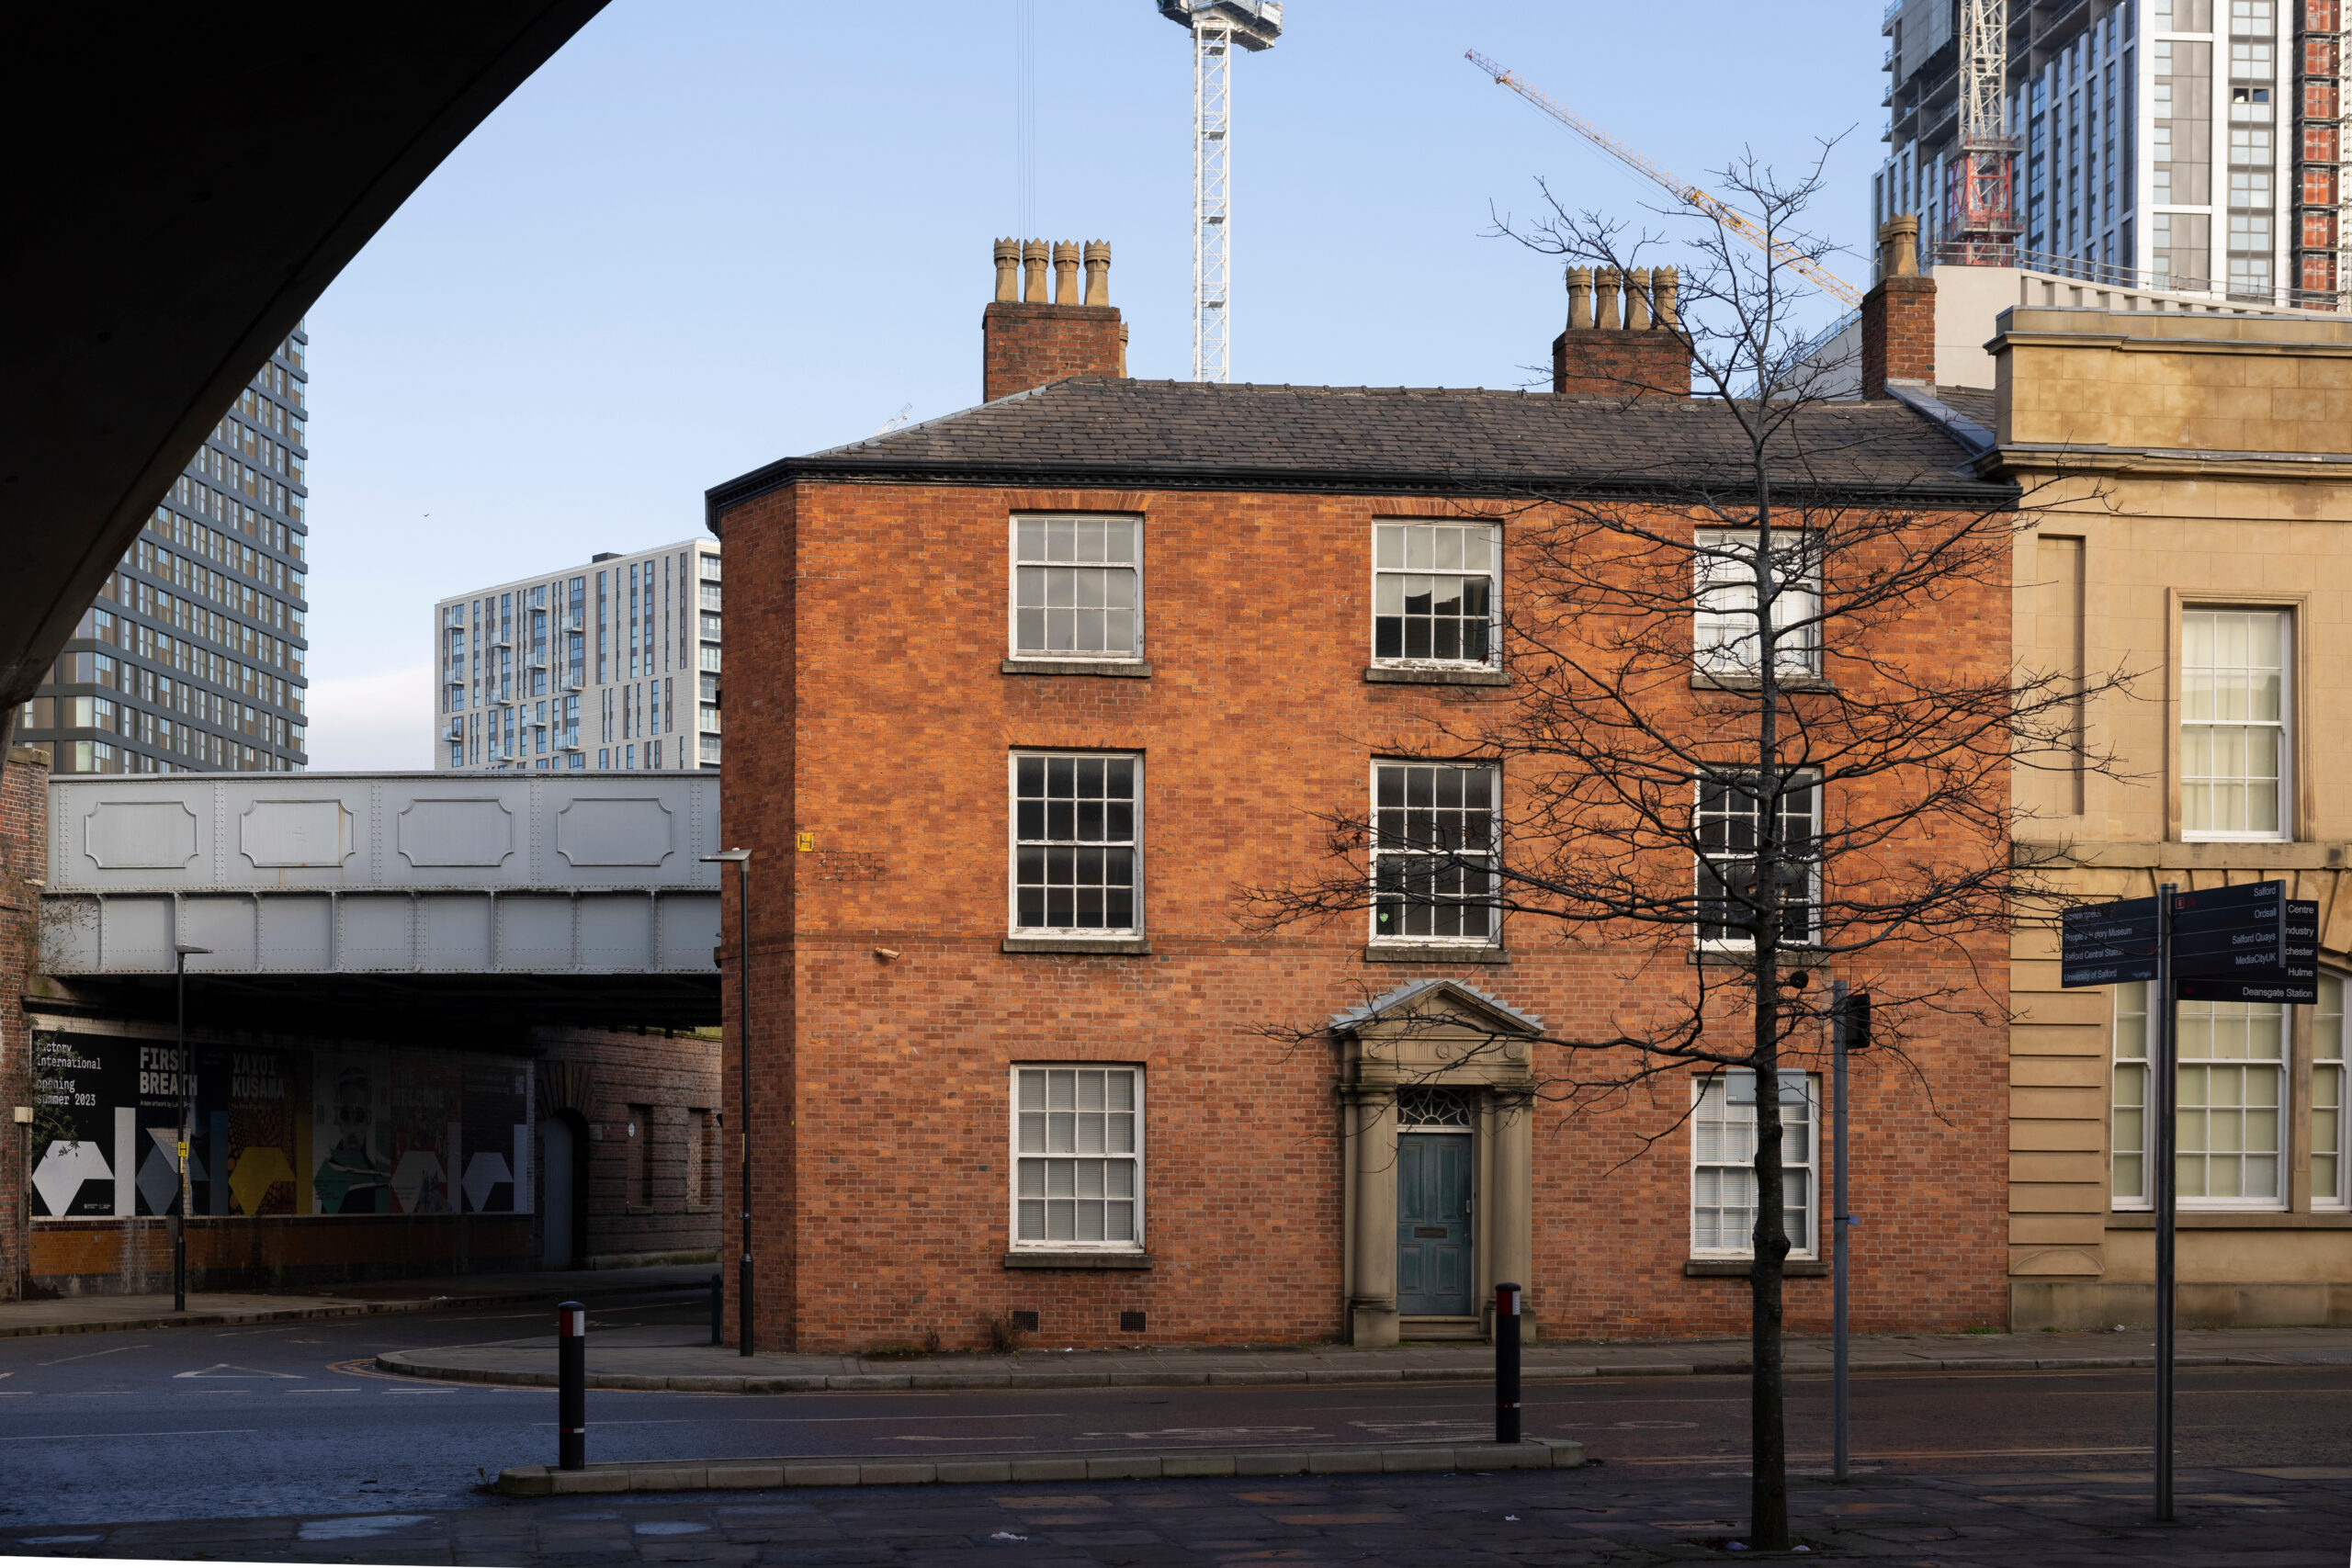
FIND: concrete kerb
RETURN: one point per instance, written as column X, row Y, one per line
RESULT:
column 417, row 1364
column 319, row 1313
column 1122, row 1464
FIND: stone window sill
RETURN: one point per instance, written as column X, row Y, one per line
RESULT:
column 1736, row 1268
column 1709, row 681
column 1409, row 675
column 2248, row 1219
column 1739, row 958
column 1078, row 1260
column 1123, row 947
column 1431, row 953
column 1131, row 667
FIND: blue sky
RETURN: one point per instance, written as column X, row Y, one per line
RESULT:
column 711, row 234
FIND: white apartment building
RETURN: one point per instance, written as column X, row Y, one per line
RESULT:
column 610, row 665
column 2189, row 145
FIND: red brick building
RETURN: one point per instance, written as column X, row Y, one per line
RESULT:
column 1020, row 699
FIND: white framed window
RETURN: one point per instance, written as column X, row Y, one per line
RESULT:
column 1436, row 840
column 2128, row 1129
column 1077, row 588
column 1078, row 1151
column 2231, row 1110
column 1723, row 1163
column 1077, row 844
column 1725, row 635
column 1435, row 589
column 2328, row 1160
column 1727, row 819
column 2234, row 745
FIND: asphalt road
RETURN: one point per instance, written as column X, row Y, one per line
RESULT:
column 292, row 1419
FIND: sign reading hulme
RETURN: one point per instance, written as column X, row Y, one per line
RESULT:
column 2298, row 977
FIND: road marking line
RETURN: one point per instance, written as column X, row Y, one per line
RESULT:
column 111, row 1437
column 117, row 1351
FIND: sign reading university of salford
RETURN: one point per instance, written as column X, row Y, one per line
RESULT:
column 2244, row 944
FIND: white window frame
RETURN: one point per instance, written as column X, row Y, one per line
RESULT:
column 1014, row 562
column 1015, row 1154
column 1722, row 575
column 1494, row 575
column 1813, row 875
column 2285, row 723
column 1494, row 855
column 2132, row 1002
column 2328, row 1043
column 1015, row 842
column 1805, row 1246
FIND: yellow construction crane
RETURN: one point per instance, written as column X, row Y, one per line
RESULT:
column 1683, row 190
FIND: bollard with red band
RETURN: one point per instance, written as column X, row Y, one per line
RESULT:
column 572, row 1386
column 1506, row 1363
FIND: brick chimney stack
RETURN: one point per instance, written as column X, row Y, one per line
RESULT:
column 1026, row 340
column 1624, row 338
column 1898, row 313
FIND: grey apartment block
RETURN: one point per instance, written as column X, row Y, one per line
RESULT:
column 2178, row 144
column 193, row 657
column 613, row 665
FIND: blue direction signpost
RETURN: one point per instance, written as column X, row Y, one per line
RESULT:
column 2248, row 943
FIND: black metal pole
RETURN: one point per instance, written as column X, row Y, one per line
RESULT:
column 1839, row 1427
column 572, row 1385
column 744, row 1045
column 1506, row 1363
column 187, row 1131
column 2161, row 1104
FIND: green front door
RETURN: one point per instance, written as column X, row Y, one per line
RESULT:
column 1433, row 1249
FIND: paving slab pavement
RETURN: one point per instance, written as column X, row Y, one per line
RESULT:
column 97, row 1314
column 680, row 1358
column 1593, row 1515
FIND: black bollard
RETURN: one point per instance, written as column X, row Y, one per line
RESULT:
column 572, row 1386
column 1506, row 1363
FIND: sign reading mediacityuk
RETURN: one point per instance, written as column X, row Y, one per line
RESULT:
column 2298, row 980
column 2106, row 944
column 2230, row 933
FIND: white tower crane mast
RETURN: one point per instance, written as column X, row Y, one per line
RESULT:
column 1216, row 26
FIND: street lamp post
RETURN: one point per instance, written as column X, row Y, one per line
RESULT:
column 741, row 861
column 180, row 952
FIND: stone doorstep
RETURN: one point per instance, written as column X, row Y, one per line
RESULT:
column 408, row 1364
column 1154, row 1464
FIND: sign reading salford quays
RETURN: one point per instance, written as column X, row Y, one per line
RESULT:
column 2298, row 980
column 2224, row 940
column 2108, row 945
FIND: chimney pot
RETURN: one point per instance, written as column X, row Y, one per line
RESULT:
column 1098, row 275
column 1663, row 283
column 1032, row 272
column 1065, row 272
column 1898, row 246
column 1008, row 270
column 1606, row 281
column 1579, row 299
column 1637, row 300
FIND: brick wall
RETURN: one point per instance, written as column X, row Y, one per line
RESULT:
column 674, row 1075
column 24, row 850
column 1898, row 333
column 881, row 1137
column 1025, row 346
column 1621, row 363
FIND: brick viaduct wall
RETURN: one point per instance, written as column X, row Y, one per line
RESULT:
column 24, row 850
column 867, row 775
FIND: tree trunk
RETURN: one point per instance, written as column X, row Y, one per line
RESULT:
column 1768, row 1488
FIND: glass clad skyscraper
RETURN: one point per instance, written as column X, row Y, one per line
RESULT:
column 193, row 658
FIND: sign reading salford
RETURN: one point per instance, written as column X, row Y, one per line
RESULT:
column 2244, row 944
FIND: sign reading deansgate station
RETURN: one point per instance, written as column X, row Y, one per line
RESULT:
column 2245, row 943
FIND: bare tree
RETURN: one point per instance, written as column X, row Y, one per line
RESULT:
column 1732, row 758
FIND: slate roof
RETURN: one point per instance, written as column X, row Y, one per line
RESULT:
column 1107, row 431
column 1356, row 1017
